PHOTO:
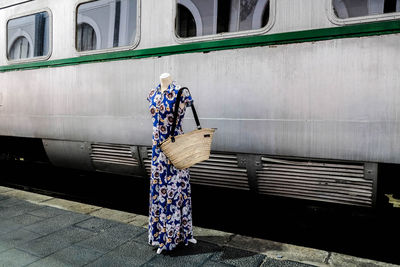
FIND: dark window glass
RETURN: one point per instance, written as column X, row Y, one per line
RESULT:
column 265, row 16
column 86, row 37
column 186, row 26
column 28, row 36
column 223, row 17
column 105, row 24
column 207, row 17
column 358, row 8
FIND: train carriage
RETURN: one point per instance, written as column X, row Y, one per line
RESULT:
column 304, row 93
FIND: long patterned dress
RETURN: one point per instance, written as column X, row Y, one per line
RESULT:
column 170, row 207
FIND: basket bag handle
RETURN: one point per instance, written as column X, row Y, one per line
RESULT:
column 176, row 113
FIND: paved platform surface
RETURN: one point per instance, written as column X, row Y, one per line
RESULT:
column 39, row 230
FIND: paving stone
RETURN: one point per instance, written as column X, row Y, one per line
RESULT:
column 8, row 226
column 55, row 223
column 273, row 249
column 115, row 215
column 268, row 262
column 96, row 224
column 211, row 263
column 49, row 262
column 238, row 257
column 142, row 238
column 337, row 259
column 70, row 256
column 19, row 236
column 47, row 212
column 191, row 255
column 2, row 197
column 9, row 202
column 73, row 234
column 46, row 245
column 112, row 237
column 140, row 220
column 130, row 253
column 4, row 189
column 71, row 205
column 122, row 230
column 19, row 208
column 14, row 257
column 102, row 242
column 26, row 219
column 212, row 236
column 24, row 195
column 4, row 246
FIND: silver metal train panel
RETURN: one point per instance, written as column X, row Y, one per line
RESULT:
column 302, row 100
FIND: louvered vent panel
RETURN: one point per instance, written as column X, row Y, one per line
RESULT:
column 330, row 182
column 147, row 162
column 220, row 170
column 113, row 154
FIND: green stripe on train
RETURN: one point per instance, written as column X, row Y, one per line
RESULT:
column 359, row 30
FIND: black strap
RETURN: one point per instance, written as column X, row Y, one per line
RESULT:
column 177, row 101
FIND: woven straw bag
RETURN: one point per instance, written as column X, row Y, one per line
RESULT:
column 187, row 149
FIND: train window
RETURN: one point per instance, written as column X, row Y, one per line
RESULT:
column 208, row 17
column 344, row 9
column 105, row 24
column 28, row 36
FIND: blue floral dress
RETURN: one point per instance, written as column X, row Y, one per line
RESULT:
column 170, row 208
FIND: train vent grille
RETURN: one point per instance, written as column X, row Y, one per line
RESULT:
column 219, row 170
column 147, row 162
column 330, row 182
column 113, row 154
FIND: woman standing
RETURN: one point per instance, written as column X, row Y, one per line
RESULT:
column 170, row 209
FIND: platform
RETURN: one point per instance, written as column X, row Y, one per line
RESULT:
column 39, row 230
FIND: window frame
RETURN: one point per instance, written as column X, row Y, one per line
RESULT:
column 111, row 49
column 31, row 59
column 357, row 20
column 226, row 35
